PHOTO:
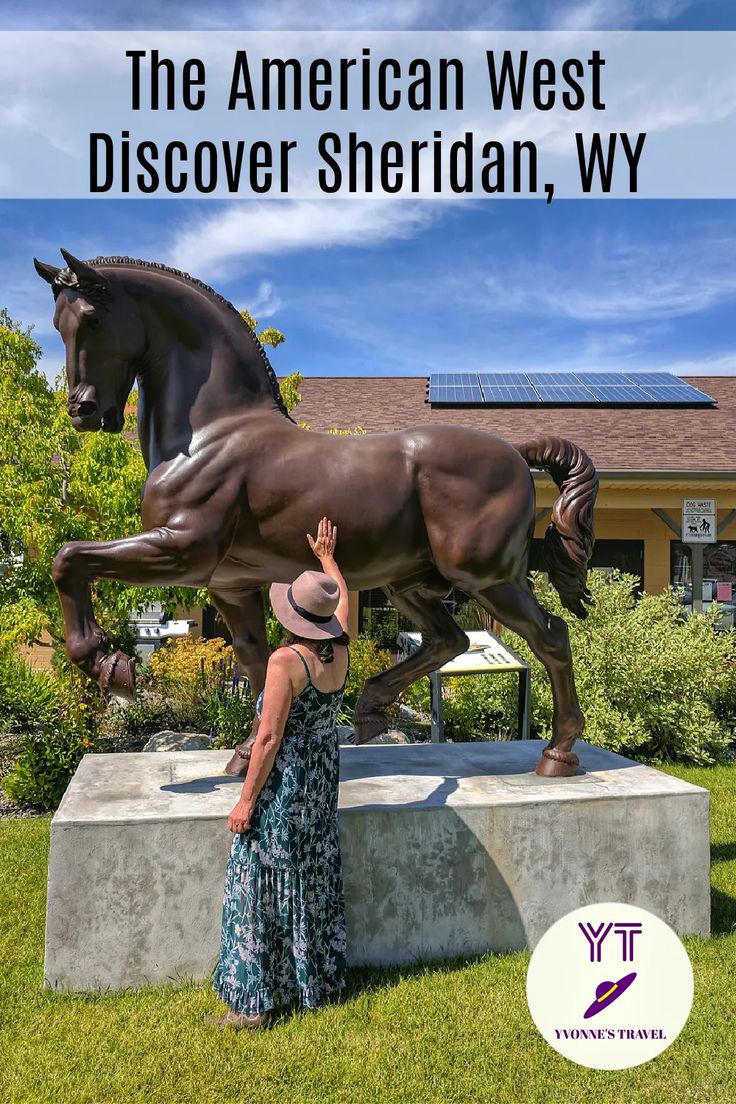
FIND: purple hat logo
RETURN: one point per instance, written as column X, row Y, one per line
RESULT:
column 606, row 993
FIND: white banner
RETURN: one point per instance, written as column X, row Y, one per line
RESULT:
column 432, row 114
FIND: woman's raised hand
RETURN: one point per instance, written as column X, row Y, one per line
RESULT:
column 325, row 542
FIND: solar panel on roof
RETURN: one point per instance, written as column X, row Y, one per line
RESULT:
column 679, row 394
column 661, row 379
column 454, row 379
column 565, row 395
column 622, row 393
column 505, row 379
column 563, row 389
column 461, row 396
column 601, row 379
column 455, row 388
column 551, row 379
column 510, row 395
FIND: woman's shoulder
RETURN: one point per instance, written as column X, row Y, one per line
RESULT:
column 286, row 659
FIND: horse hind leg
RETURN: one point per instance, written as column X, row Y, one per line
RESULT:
column 442, row 640
column 243, row 613
column 514, row 605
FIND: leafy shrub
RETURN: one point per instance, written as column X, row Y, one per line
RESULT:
column 366, row 660
column 228, row 711
column 471, row 617
column 382, row 626
column 127, row 726
column 651, row 683
column 56, row 719
column 480, row 707
column 179, row 663
column 191, row 684
column 46, row 764
column 27, row 697
column 226, row 704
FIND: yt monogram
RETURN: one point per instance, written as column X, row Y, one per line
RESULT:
column 596, row 935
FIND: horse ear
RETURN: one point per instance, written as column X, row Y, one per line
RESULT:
column 47, row 272
column 86, row 275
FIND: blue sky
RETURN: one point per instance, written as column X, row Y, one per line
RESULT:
column 407, row 287
column 371, row 14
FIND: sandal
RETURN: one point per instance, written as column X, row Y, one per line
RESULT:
column 237, row 1020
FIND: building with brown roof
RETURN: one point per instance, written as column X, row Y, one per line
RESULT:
column 649, row 460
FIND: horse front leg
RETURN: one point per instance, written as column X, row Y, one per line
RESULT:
column 159, row 557
column 442, row 640
column 243, row 613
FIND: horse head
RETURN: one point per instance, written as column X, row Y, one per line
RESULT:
column 104, row 340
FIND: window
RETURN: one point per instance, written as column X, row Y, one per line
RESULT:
column 378, row 619
column 719, row 575
column 608, row 555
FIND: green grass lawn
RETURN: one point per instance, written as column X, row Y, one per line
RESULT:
column 458, row 1032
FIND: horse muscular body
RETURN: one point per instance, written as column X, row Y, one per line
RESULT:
column 234, row 486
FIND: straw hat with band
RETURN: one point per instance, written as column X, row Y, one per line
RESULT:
column 307, row 606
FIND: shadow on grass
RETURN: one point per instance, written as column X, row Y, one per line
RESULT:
column 723, row 912
column 723, row 852
column 373, row 979
column 722, row 905
column 363, row 979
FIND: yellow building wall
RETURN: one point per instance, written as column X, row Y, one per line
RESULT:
column 627, row 513
column 39, row 655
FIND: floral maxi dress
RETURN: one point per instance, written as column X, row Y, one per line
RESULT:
column 283, row 915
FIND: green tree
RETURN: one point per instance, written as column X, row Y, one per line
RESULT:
column 267, row 336
column 272, row 338
column 57, row 485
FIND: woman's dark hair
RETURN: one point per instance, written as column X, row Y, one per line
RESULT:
column 321, row 648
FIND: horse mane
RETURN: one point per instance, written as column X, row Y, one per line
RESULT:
column 159, row 266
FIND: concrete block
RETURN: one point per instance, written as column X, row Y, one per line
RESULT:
column 449, row 849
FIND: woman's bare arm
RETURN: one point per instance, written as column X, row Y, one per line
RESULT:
column 324, row 549
column 278, row 692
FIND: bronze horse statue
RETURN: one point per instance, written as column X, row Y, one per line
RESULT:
column 234, row 485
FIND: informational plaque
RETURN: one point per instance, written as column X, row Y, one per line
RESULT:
column 486, row 655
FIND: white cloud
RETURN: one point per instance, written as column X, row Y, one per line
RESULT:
column 274, row 15
column 264, row 303
column 234, row 234
column 622, row 281
column 723, row 365
column 592, row 15
column 384, row 15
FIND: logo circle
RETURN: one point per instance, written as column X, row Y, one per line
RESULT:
column 610, row 986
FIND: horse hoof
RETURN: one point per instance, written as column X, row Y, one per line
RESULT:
column 117, row 676
column 557, row 764
column 369, row 725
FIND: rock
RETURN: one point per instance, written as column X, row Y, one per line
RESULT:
column 178, row 741
column 393, row 736
column 406, row 713
column 346, row 735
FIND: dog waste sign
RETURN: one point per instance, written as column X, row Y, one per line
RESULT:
column 699, row 520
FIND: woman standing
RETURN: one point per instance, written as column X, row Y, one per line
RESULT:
column 283, row 917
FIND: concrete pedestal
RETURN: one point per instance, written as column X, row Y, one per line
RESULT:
column 447, row 850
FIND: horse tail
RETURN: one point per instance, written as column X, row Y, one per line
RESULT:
column 568, row 542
